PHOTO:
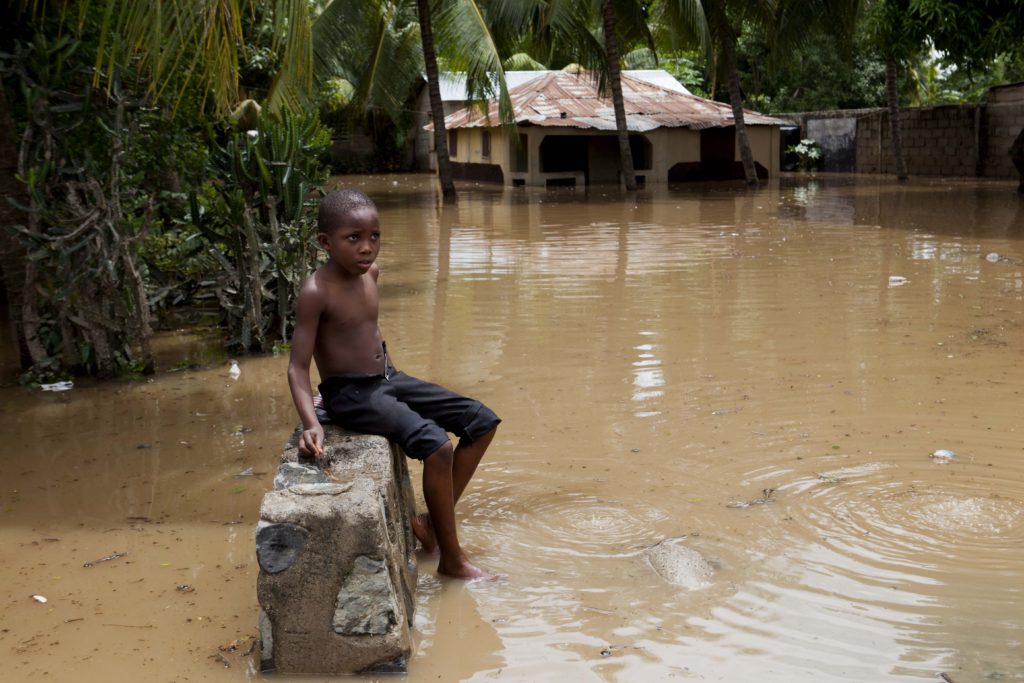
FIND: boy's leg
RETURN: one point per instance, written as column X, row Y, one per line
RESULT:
column 465, row 461
column 467, row 457
column 439, row 493
column 456, row 413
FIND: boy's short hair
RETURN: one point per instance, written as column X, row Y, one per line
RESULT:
column 338, row 206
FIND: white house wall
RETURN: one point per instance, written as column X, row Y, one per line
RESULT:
column 669, row 146
column 764, row 144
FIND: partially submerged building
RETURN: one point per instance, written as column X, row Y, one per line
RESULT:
column 567, row 133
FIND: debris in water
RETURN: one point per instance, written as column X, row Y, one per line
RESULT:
column 243, row 647
column 680, row 565
column 994, row 257
column 108, row 558
column 766, row 497
column 897, row 280
column 222, row 659
column 234, row 371
column 40, row 598
column 229, row 647
column 606, row 652
column 184, row 588
column 58, row 386
column 247, row 472
column 598, row 610
column 942, row 456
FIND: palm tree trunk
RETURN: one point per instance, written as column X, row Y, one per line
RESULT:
column 736, row 100
column 12, row 254
column 892, row 93
column 444, row 164
column 611, row 47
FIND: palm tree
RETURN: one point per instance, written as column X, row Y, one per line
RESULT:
column 725, row 36
column 611, row 46
column 369, row 43
column 716, row 26
column 444, row 164
column 712, row 24
column 898, row 38
column 565, row 31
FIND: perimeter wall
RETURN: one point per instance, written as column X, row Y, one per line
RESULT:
column 951, row 140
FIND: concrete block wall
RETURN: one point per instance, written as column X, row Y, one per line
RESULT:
column 1003, row 123
column 937, row 141
column 953, row 140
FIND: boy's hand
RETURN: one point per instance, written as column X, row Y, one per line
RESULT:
column 311, row 442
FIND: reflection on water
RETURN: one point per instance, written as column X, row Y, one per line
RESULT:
column 655, row 358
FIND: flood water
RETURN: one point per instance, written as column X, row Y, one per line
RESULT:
column 659, row 362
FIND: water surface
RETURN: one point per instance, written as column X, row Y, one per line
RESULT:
column 658, row 360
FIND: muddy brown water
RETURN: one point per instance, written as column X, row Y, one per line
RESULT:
column 655, row 360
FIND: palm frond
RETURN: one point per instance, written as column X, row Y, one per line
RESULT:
column 293, row 37
column 521, row 61
column 682, row 24
column 178, row 41
column 463, row 35
column 640, row 58
column 794, row 23
column 374, row 45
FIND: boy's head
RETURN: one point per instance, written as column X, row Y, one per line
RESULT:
column 349, row 230
column 338, row 208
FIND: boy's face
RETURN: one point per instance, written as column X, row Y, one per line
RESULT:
column 355, row 243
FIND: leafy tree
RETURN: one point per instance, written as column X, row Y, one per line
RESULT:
column 970, row 37
column 814, row 76
column 972, row 34
column 84, row 213
column 96, row 194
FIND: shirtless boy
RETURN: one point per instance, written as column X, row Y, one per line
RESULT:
column 336, row 325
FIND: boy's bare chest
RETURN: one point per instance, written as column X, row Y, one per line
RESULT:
column 352, row 307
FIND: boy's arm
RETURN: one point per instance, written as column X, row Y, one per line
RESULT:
column 309, row 307
column 375, row 274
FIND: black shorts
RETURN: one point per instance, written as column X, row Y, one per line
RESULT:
column 416, row 415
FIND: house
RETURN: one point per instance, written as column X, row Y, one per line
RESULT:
column 567, row 133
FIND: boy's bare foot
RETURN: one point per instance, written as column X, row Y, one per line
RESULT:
column 464, row 570
column 423, row 529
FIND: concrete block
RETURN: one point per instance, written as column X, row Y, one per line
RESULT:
column 337, row 573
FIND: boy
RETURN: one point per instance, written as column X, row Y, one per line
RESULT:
column 336, row 324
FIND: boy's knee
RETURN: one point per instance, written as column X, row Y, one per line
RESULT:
column 466, row 442
column 442, row 457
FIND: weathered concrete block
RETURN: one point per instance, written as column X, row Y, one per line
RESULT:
column 335, row 548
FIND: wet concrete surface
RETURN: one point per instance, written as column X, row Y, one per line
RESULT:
column 658, row 361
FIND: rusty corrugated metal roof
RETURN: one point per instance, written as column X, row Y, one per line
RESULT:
column 567, row 100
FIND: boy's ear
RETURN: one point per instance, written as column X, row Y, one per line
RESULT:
column 322, row 240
